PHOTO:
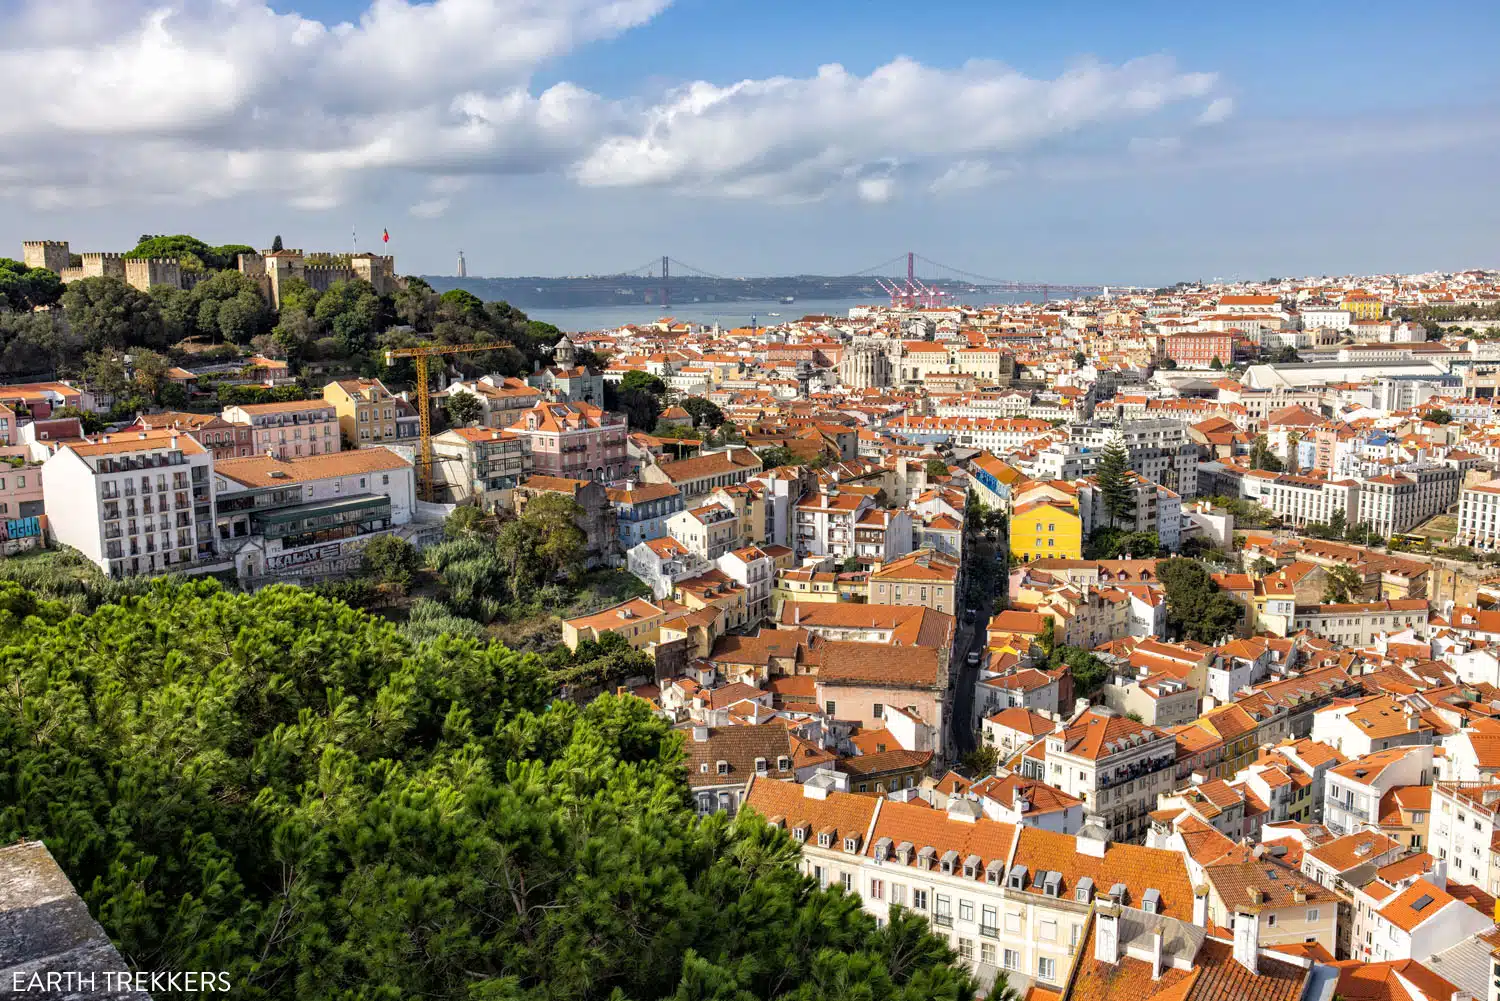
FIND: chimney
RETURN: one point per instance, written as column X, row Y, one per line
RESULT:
column 796, row 613
column 1156, row 963
column 1437, row 875
column 700, row 734
column 1247, row 940
column 1107, row 931
column 1200, row 906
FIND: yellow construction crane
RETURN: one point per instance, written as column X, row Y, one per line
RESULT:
column 424, row 410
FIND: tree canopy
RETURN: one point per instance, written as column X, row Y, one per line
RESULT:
column 191, row 253
column 23, row 288
column 283, row 788
column 1196, row 608
column 1114, row 483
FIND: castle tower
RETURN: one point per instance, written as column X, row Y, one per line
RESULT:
column 463, row 269
column 50, row 254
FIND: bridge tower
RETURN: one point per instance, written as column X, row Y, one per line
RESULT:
column 665, row 274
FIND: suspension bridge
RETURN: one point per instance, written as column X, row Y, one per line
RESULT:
column 908, row 280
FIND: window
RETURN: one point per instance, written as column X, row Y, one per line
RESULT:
column 1312, row 914
column 828, row 707
column 848, row 880
column 1012, row 958
column 1013, row 922
column 919, row 899
column 1046, row 969
column 877, row 889
column 966, row 910
column 965, row 948
column 1271, row 920
column 1049, row 930
column 898, row 893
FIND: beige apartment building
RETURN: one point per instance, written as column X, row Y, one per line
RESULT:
column 926, row 578
column 366, row 410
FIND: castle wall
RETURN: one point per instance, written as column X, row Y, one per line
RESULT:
column 146, row 272
column 50, row 254
column 97, row 265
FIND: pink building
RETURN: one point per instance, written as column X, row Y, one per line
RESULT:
column 577, row 441
column 289, row 430
column 20, row 477
column 864, row 681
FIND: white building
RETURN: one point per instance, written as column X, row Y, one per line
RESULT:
column 753, row 570
column 1114, row 764
column 310, row 515
column 132, row 503
column 1006, row 897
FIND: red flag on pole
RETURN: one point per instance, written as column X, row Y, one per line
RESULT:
column 385, row 236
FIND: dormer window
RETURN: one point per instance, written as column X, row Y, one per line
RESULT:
column 851, row 844
column 926, row 857
column 903, row 852
column 825, row 839
column 1083, row 892
column 1151, row 902
column 723, row 767
column 994, row 872
column 800, row 832
column 1017, row 878
column 784, row 763
column 703, row 768
column 760, row 766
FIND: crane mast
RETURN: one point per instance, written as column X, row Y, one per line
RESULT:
column 424, row 411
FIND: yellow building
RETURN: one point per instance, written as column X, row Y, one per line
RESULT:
column 366, row 409
column 1363, row 306
column 1046, row 529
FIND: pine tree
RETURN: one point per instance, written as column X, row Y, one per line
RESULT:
column 1114, row 484
column 276, row 243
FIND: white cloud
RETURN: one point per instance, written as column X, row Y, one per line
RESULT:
column 1218, row 109
column 805, row 137
column 186, row 100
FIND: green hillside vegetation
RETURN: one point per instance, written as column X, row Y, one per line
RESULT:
column 293, row 792
column 344, row 328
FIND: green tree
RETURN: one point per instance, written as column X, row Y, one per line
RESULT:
column 1216, row 364
column 982, row 760
column 276, row 246
column 1343, row 585
column 555, row 517
column 1440, row 416
column 150, row 370
column 704, row 411
column 936, row 468
column 1262, row 566
column 463, row 408
column 1114, row 483
column 644, row 382
column 641, row 409
column 1195, row 605
column 23, row 288
column 284, row 788
column 1262, row 457
column 108, row 314
column 466, row 519
column 390, row 559
column 776, row 455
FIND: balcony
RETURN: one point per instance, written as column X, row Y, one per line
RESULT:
column 989, row 931
column 943, row 920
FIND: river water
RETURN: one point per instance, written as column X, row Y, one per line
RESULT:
column 765, row 312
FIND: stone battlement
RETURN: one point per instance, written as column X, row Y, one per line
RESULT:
column 99, row 255
column 43, row 243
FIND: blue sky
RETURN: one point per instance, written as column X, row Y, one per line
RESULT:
column 1108, row 142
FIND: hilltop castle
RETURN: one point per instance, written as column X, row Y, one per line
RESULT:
column 270, row 268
